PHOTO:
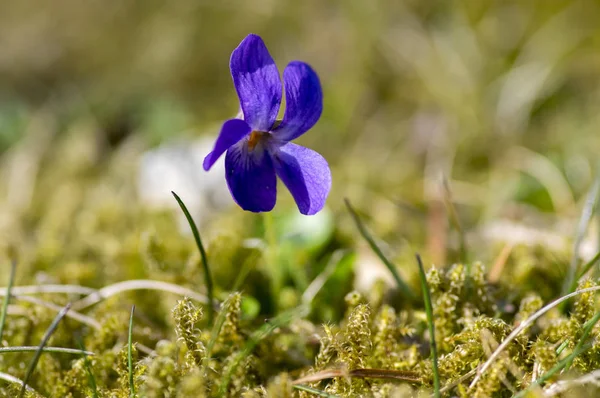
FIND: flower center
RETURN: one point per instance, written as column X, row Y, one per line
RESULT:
column 254, row 139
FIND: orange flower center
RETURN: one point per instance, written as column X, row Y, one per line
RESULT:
column 254, row 139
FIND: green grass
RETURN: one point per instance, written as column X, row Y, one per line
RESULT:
column 129, row 354
column 40, row 349
column 371, row 343
column 46, row 349
column 205, row 267
column 557, row 368
column 448, row 134
column 314, row 391
column 90, row 374
column 589, row 208
column 400, row 283
column 11, row 280
column 431, row 326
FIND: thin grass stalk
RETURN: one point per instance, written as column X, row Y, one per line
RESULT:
column 314, row 391
column 11, row 280
column 402, row 286
column 88, row 370
column 587, row 212
column 524, row 325
column 431, row 325
column 51, row 329
column 557, row 368
column 58, row 350
column 587, row 329
column 129, row 354
column 203, row 256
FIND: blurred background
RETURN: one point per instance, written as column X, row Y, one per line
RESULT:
column 107, row 106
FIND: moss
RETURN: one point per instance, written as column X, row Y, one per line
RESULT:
column 280, row 386
column 386, row 348
column 230, row 338
column 99, row 237
column 163, row 373
column 329, row 349
column 388, row 340
column 187, row 317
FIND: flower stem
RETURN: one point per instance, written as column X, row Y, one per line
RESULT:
column 272, row 256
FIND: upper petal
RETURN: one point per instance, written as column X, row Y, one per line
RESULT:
column 306, row 174
column 256, row 80
column 232, row 131
column 251, row 178
column 304, row 101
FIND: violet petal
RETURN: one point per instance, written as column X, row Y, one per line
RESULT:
column 304, row 101
column 306, row 174
column 251, row 178
column 231, row 133
column 256, row 80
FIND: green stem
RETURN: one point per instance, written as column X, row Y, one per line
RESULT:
column 272, row 256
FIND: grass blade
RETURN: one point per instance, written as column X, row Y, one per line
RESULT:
column 317, row 284
column 587, row 329
column 51, row 289
column 570, row 282
column 363, row 373
column 388, row 374
column 588, row 266
column 448, row 386
column 562, row 346
column 11, row 281
column 59, row 350
column 402, row 286
column 129, row 356
column 40, row 349
column 134, row 284
column 13, row 379
column 207, row 276
column 88, row 370
column 429, row 312
column 318, row 393
column 524, row 325
column 86, row 320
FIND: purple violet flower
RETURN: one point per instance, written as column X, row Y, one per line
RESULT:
column 258, row 147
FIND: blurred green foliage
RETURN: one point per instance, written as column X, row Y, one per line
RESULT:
column 499, row 98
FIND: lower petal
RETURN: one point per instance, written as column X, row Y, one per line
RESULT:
column 251, row 178
column 306, row 174
column 231, row 133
